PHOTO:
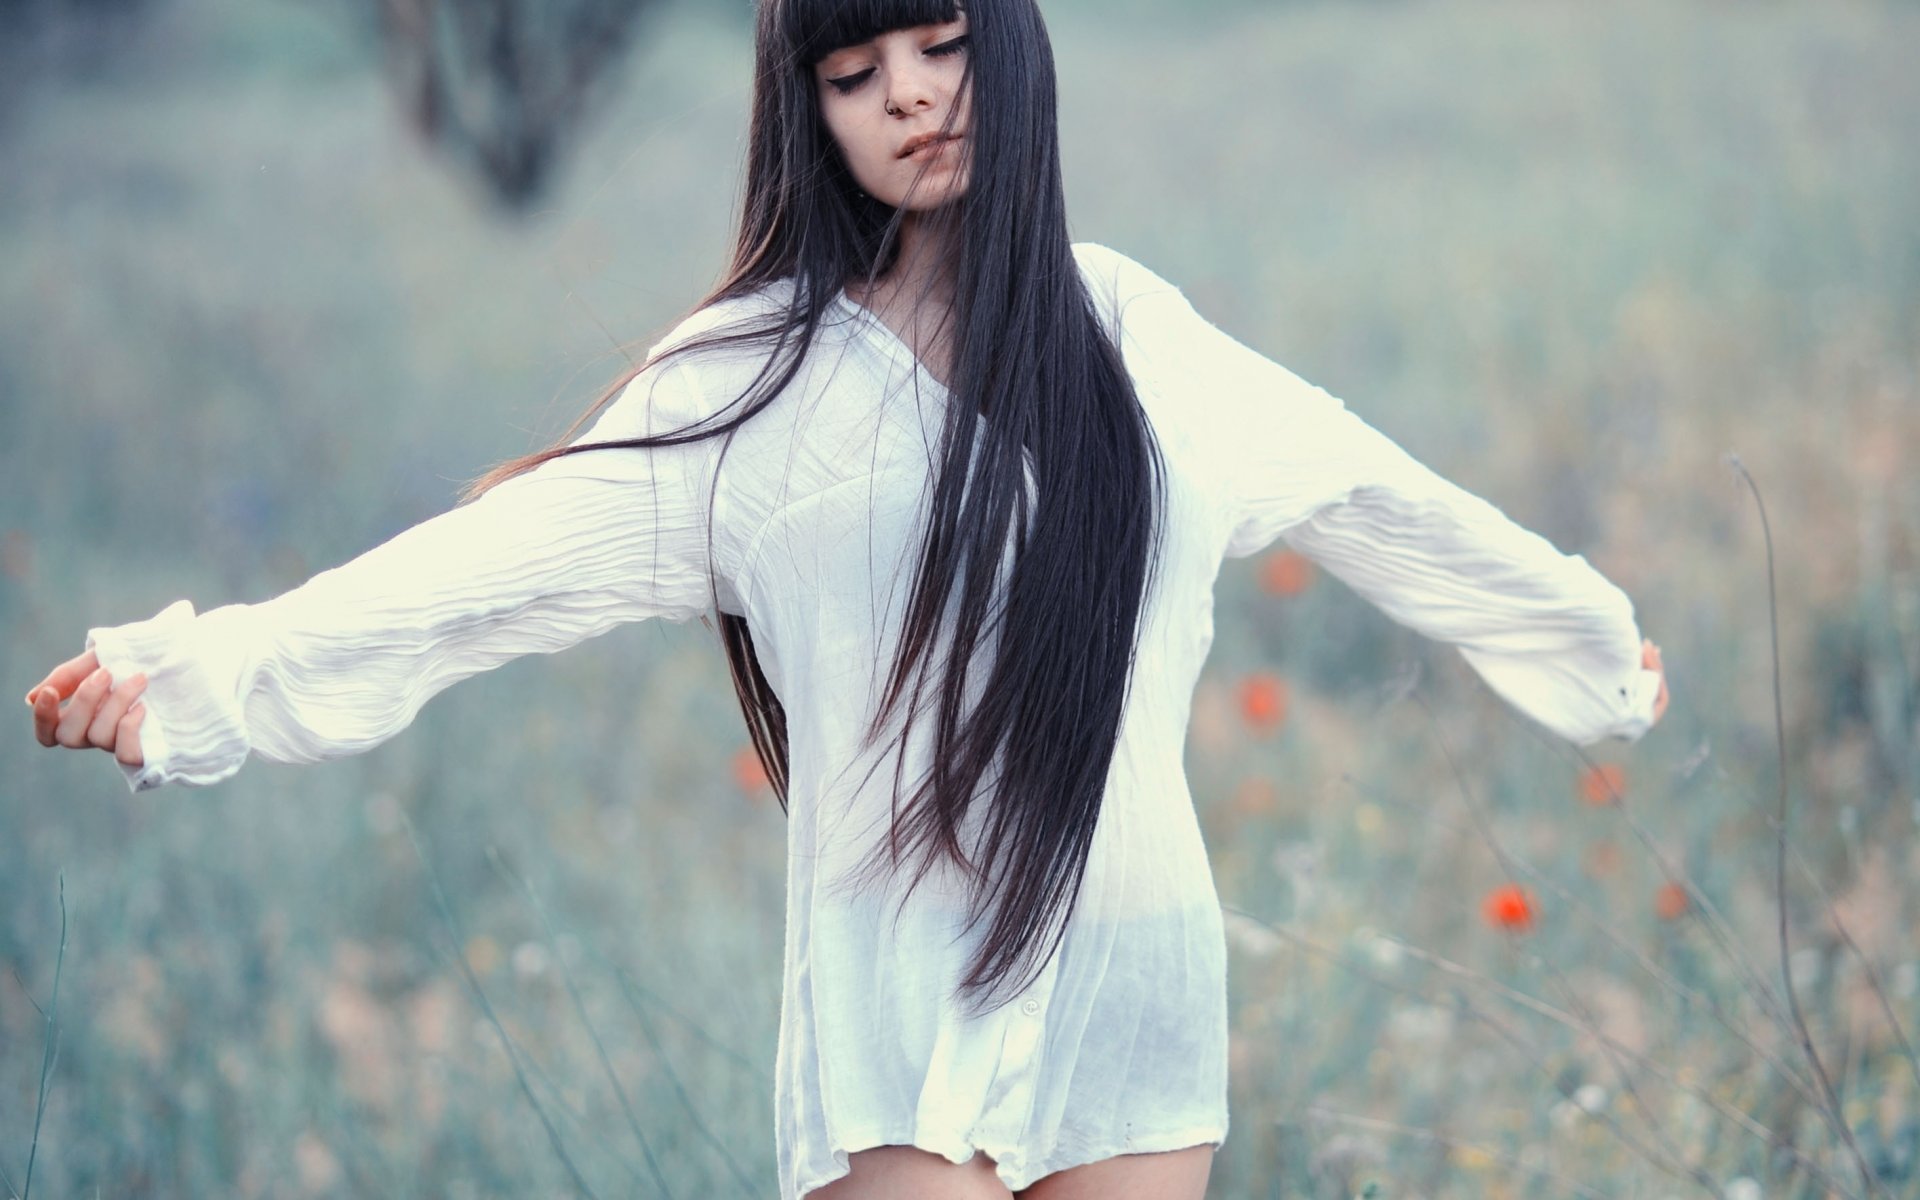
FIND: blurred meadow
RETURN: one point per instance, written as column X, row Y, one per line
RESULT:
column 1571, row 255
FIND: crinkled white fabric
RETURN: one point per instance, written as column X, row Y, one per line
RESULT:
column 1120, row 1045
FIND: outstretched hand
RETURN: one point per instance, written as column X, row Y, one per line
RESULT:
column 79, row 706
column 1650, row 659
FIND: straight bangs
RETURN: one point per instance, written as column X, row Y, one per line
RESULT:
column 813, row 29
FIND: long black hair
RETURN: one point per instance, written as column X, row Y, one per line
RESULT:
column 1047, row 643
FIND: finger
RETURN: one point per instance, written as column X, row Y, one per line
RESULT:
column 46, row 715
column 72, row 730
column 101, row 732
column 126, row 743
column 66, row 677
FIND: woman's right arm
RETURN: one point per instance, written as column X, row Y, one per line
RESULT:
column 540, row 562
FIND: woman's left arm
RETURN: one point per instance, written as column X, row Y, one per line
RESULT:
column 1546, row 630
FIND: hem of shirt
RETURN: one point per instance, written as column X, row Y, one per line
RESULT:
column 1010, row 1165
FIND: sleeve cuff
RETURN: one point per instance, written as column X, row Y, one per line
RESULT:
column 1637, row 698
column 191, row 734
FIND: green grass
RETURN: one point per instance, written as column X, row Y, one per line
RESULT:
column 1570, row 255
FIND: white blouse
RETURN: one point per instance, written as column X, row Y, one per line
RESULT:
column 1120, row 1045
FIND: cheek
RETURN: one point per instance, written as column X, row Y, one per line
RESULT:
column 857, row 144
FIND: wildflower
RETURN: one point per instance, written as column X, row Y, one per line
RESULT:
column 748, row 771
column 1670, row 903
column 1263, row 702
column 1603, row 785
column 1508, row 907
column 1286, row 573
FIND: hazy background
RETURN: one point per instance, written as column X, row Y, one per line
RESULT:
column 1571, row 255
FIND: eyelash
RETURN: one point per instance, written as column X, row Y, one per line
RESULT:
column 846, row 84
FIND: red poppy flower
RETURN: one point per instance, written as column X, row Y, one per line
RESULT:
column 1286, row 573
column 1510, row 907
column 1671, row 902
column 1263, row 702
column 748, row 771
column 1600, row 785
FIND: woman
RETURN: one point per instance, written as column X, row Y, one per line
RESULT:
column 957, row 491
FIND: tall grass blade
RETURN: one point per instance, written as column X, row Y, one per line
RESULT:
column 580, row 1006
column 486, row 1006
column 1831, row 1108
column 50, row 1049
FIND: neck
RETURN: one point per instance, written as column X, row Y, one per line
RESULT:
column 915, row 297
column 921, row 278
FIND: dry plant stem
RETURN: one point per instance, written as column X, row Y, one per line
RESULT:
column 1574, row 903
column 486, row 1006
column 50, row 1048
column 1534, row 1004
column 1832, row 1107
column 1873, row 976
column 1787, row 1068
column 1463, row 1005
column 634, row 990
column 580, row 1006
column 679, row 1089
column 578, row 1115
column 1718, row 927
column 1379, row 1126
column 1570, row 995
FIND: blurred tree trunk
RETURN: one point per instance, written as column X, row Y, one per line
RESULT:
column 500, row 85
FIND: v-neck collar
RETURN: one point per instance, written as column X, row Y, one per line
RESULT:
column 896, row 344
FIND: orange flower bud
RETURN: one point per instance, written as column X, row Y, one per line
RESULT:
column 1671, row 902
column 1286, row 573
column 1509, row 907
column 748, row 771
column 1602, row 785
column 1263, row 702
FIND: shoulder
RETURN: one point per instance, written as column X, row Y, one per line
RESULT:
column 726, row 315
column 694, row 373
column 1116, row 282
column 1113, row 278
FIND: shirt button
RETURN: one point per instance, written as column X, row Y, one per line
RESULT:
column 1030, row 1006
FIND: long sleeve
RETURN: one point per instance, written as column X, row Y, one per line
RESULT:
column 550, row 558
column 1545, row 630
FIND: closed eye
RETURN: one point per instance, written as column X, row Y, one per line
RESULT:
column 847, row 83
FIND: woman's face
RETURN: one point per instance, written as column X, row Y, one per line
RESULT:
column 886, row 101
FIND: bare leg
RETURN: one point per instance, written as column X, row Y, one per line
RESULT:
column 893, row 1172
column 1173, row 1175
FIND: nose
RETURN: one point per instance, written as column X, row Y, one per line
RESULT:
column 910, row 90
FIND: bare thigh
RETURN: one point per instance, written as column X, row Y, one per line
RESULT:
column 1173, row 1175
column 896, row 1172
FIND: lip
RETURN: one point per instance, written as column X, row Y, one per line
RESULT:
column 922, row 141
